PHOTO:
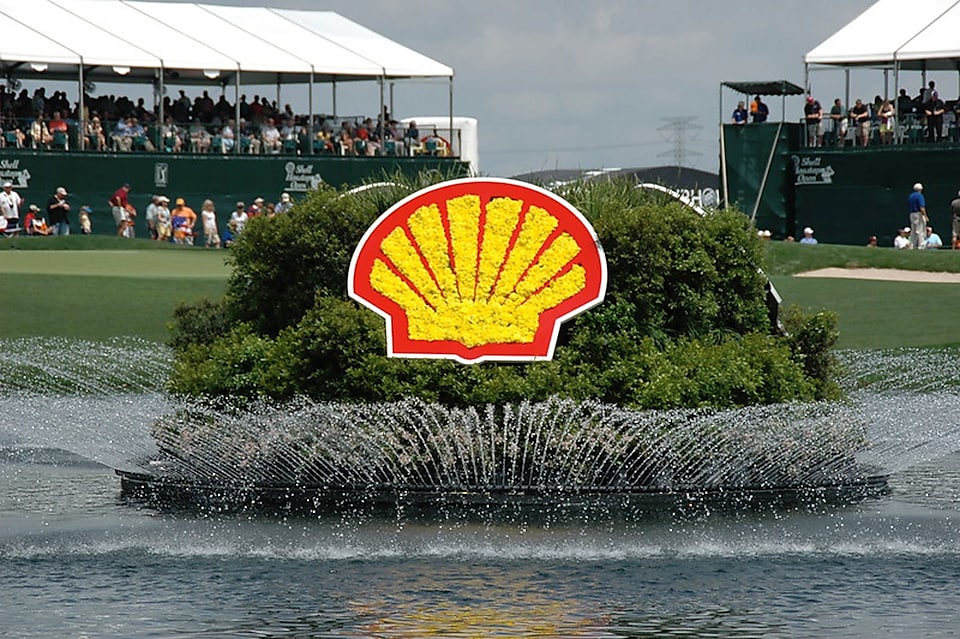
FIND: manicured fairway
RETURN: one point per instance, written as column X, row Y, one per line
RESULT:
column 101, row 294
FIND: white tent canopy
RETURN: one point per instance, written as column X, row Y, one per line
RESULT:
column 120, row 40
column 918, row 36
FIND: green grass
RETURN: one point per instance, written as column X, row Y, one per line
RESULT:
column 127, row 288
column 57, row 287
column 785, row 258
column 872, row 314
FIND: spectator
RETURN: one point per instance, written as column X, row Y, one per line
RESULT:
column 285, row 203
column 150, row 215
column 123, row 211
column 917, row 210
column 171, row 135
column 270, row 137
column 164, row 228
column 256, row 208
column 58, row 211
column 10, row 203
column 139, row 136
column 58, row 125
column 86, row 227
column 860, row 114
column 955, row 220
column 228, row 137
column 932, row 240
column 808, row 236
column 813, row 115
column 34, row 224
column 888, row 121
column 238, row 219
column 905, row 104
column 839, row 121
column 40, row 137
column 934, row 110
column 199, row 138
column 183, row 219
column 759, row 110
column 123, row 135
column 208, row 216
column 902, row 240
column 872, row 241
column 96, row 138
column 412, row 137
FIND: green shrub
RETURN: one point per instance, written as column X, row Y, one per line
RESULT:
column 199, row 322
column 684, row 322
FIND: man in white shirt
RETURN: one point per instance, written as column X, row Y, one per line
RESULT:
column 10, row 203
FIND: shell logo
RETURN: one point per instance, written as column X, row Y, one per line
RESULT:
column 478, row 269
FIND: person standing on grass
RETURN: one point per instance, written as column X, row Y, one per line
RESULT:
column 58, row 210
column 122, row 211
column 955, row 219
column 917, row 207
column 10, row 203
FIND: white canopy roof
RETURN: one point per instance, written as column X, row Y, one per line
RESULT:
column 122, row 40
column 916, row 35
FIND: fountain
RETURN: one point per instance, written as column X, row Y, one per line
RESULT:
column 558, row 458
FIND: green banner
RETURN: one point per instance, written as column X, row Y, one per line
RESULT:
column 91, row 178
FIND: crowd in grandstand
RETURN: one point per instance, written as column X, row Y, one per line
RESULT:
column 925, row 116
column 201, row 125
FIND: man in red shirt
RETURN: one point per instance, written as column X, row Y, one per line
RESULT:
column 122, row 211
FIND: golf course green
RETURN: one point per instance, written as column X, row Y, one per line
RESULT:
column 97, row 288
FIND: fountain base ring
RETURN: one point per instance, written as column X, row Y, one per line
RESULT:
column 417, row 501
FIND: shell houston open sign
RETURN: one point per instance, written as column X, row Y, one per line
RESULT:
column 478, row 269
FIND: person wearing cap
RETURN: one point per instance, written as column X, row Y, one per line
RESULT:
column 10, row 203
column 902, row 240
column 917, row 209
column 808, row 236
column 183, row 219
column 813, row 115
column 121, row 209
column 150, row 215
column 256, row 208
column 164, row 228
column 285, row 203
column 872, row 241
column 34, row 224
column 58, row 210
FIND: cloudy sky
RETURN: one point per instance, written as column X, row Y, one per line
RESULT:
column 597, row 83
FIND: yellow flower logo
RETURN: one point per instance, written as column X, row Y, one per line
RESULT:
column 478, row 269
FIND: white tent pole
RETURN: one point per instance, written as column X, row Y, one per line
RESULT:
column 310, row 110
column 723, row 167
column 380, row 119
column 160, row 99
column 81, row 117
column 237, row 132
column 896, row 108
column 451, row 114
column 846, row 87
column 333, row 89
